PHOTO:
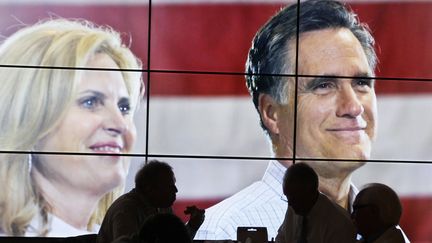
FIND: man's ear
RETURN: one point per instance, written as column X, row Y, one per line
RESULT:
column 268, row 109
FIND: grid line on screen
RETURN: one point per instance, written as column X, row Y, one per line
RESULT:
column 190, row 156
column 148, row 80
column 191, row 72
column 296, row 72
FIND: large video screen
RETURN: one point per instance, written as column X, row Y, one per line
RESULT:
column 186, row 103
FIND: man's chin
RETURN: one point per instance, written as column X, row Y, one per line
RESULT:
column 330, row 169
column 350, row 166
column 356, row 154
column 348, row 162
column 336, row 156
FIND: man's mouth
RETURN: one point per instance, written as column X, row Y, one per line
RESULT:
column 347, row 129
column 351, row 135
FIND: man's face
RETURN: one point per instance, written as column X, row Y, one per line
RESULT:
column 336, row 118
column 364, row 216
column 165, row 190
column 299, row 197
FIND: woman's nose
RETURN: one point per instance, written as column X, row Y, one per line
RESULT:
column 115, row 122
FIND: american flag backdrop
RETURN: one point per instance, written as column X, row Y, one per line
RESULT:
column 199, row 108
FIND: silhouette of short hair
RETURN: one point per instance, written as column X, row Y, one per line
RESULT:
column 303, row 174
column 164, row 228
column 385, row 199
column 148, row 174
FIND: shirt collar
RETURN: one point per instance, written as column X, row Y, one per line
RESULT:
column 58, row 228
column 351, row 196
column 275, row 172
column 273, row 176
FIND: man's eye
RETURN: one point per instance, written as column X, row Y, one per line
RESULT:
column 363, row 82
column 363, row 85
column 323, row 87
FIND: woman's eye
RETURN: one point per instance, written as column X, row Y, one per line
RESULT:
column 90, row 103
column 124, row 108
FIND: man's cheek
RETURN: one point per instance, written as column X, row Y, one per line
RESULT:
column 371, row 129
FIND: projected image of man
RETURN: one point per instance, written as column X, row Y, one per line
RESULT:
column 336, row 110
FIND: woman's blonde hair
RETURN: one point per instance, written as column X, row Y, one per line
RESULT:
column 33, row 100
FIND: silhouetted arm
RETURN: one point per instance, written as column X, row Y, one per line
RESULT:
column 196, row 219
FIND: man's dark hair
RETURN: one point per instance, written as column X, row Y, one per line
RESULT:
column 385, row 199
column 148, row 175
column 270, row 50
column 303, row 174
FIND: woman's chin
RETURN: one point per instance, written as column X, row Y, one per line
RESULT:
column 110, row 184
column 112, row 176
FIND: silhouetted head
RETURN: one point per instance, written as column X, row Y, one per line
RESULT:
column 164, row 228
column 300, row 186
column 156, row 181
column 376, row 208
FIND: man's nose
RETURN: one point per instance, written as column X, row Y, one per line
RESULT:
column 349, row 104
column 115, row 122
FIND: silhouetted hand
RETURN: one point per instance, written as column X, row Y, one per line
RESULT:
column 197, row 216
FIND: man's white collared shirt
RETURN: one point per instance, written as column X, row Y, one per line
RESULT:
column 258, row 205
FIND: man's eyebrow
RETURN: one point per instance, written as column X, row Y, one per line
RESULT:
column 318, row 80
column 335, row 78
column 365, row 76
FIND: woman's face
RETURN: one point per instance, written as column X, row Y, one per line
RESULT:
column 98, row 121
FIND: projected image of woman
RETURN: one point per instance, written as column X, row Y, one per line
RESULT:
column 58, row 110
